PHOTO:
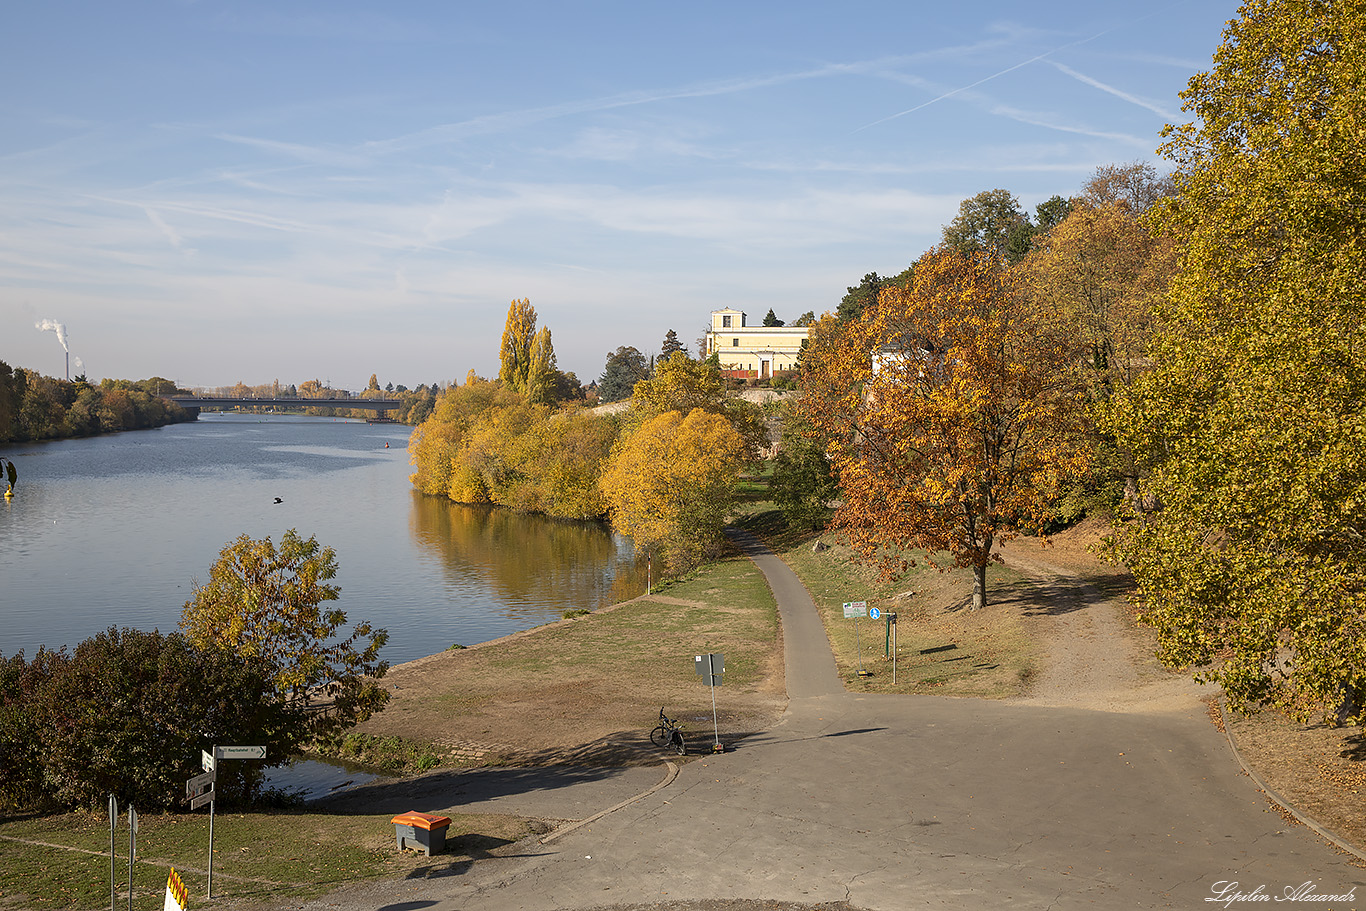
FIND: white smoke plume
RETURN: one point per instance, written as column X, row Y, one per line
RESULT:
column 80, row 366
column 51, row 325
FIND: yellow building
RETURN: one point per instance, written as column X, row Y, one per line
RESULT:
column 753, row 351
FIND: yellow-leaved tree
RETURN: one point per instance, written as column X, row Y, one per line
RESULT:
column 1250, row 548
column 682, row 384
column 515, row 354
column 670, row 485
column 953, row 411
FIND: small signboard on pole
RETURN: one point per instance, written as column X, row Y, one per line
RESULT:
column 258, row 752
column 200, row 789
column 856, row 609
column 709, row 668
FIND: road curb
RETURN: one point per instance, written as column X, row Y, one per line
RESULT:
column 670, row 773
column 1275, row 795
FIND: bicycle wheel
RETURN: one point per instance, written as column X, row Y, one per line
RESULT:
column 679, row 746
column 660, row 736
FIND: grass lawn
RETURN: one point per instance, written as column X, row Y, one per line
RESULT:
column 943, row 647
column 588, row 689
column 257, row 856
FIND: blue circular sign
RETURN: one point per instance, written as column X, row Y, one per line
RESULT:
column 874, row 613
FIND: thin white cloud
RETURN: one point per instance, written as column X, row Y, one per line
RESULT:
column 311, row 154
column 1052, row 121
column 1111, row 90
column 172, row 236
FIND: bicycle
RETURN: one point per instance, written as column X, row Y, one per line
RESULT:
column 668, row 735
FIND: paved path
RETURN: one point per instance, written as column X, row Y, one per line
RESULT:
column 895, row 802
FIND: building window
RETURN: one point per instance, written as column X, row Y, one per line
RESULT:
column 735, row 342
column 725, row 322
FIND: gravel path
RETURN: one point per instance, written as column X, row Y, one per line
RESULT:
column 1096, row 658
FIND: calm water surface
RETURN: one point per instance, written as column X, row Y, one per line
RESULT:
column 112, row 531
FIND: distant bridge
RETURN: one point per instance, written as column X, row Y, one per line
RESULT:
column 381, row 407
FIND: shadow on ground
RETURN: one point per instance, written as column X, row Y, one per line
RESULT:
column 1059, row 595
column 519, row 774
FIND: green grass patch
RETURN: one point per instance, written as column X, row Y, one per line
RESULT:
column 393, row 755
column 942, row 646
column 257, row 856
column 588, row 690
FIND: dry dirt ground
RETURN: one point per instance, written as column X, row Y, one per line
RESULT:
column 1096, row 657
column 1099, row 658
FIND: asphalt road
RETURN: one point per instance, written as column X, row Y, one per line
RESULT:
column 899, row 802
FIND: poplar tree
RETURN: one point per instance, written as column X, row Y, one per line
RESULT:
column 540, row 386
column 515, row 356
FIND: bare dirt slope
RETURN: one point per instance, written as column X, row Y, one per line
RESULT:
column 1097, row 657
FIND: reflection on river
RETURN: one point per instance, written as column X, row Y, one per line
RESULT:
column 112, row 530
column 532, row 564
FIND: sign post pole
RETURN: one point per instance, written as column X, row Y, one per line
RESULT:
column 891, row 618
column 210, row 895
column 132, row 849
column 715, row 727
column 214, row 767
column 113, row 821
column 202, row 789
column 857, row 609
column 710, row 667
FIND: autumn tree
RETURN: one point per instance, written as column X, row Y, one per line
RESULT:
column 1104, row 271
column 682, row 384
column 1134, row 187
column 267, row 604
column 541, row 370
column 953, row 411
column 991, row 222
column 129, row 713
column 1249, row 551
column 671, row 484
column 519, row 330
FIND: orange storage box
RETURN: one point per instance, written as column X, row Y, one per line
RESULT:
column 421, row 832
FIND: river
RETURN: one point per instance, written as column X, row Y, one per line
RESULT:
column 114, row 530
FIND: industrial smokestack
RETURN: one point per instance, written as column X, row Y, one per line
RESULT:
column 51, row 325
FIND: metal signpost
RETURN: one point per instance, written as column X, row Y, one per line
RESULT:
column 710, row 668
column 132, row 850
column 891, row 624
column 857, row 609
column 113, row 822
column 199, row 790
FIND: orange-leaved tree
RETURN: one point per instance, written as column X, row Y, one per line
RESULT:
column 953, row 409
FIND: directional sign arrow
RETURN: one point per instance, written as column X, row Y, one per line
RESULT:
column 206, row 797
column 199, row 782
column 256, row 752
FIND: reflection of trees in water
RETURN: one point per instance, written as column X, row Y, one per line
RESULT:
column 524, row 557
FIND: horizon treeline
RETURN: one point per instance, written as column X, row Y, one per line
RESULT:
column 34, row 407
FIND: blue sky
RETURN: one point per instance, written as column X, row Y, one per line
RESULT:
column 215, row 191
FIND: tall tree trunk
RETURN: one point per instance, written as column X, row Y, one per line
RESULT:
column 979, row 586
